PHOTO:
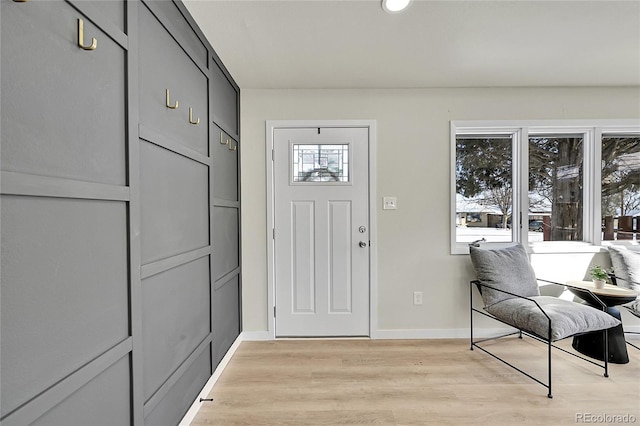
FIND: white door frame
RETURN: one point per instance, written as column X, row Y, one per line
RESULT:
column 271, row 125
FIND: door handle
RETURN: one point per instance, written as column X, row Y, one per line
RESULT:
column 362, row 244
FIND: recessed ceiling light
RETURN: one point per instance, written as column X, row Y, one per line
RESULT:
column 395, row 6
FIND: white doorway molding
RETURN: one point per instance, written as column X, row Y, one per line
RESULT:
column 271, row 125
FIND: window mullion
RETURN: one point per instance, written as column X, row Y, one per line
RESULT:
column 523, row 185
column 592, row 183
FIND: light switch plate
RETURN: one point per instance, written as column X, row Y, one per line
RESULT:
column 389, row 203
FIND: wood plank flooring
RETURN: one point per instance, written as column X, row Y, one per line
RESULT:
column 415, row 382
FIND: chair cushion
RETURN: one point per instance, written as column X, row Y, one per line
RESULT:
column 626, row 265
column 506, row 269
column 567, row 318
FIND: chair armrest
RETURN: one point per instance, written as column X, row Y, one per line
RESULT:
column 479, row 284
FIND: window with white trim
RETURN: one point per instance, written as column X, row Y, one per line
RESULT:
column 620, row 177
column 549, row 183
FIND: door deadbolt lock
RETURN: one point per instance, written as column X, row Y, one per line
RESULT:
column 362, row 229
column 362, row 244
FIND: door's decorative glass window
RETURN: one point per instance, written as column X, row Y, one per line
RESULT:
column 320, row 163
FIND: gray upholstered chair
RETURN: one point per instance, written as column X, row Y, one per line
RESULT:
column 509, row 290
column 626, row 267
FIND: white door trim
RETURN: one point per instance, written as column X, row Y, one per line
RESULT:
column 271, row 125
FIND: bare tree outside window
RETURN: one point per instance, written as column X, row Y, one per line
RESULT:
column 484, row 179
column 556, row 178
column 620, row 187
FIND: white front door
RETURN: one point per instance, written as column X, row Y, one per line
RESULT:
column 321, row 231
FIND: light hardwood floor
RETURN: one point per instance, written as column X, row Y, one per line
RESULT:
column 409, row 382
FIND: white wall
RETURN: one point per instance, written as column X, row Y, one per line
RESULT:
column 413, row 155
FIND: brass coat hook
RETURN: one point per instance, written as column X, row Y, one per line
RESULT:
column 169, row 101
column 234, row 148
column 222, row 140
column 191, row 117
column 94, row 42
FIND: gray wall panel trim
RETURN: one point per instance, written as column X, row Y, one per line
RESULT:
column 135, row 256
column 15, row 183
column 226, row 319
column 175, row 376
column 101, row 22
column 226, row 279
column 225, row 128
column 224, row 94
column 49, row 398
column 226, row 256
column 240, row 227
column 218, row 61
column 163, row 265
column 234, row 134
column 157, row 138
column 196, row 28
column 221, row 202
column 160, row 16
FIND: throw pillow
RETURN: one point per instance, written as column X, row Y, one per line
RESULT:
column 626, row 265
column 505, row 269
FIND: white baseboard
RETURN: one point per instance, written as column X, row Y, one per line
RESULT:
column 450, row 333
column 248, row 336
column 447, row 333
column 463, row 333
column 193, row 410
column 421, row 334
column 382, row 334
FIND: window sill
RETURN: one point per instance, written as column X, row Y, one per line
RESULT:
column 564, row 247
column 556, row 247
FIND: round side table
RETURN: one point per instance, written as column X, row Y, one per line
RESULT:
column 591, row 344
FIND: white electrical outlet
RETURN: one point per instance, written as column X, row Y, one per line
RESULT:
column 417, row 298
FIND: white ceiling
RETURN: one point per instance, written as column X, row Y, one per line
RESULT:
column 355, row 44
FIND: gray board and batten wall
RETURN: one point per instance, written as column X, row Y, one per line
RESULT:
column 120, row 268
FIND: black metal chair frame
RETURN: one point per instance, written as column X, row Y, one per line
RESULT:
column 520, row 332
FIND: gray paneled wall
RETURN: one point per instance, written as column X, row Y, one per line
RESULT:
column 226, row 228
column 120, row 274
